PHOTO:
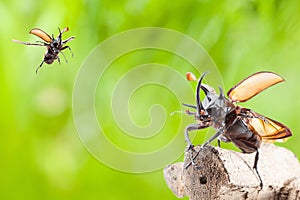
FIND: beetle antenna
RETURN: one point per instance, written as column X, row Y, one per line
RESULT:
column 190, row 106
column 176, row 112
column 198, row 103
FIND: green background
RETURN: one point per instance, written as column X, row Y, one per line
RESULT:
column 41, row 154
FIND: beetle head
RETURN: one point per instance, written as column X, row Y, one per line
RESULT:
column 213, row 107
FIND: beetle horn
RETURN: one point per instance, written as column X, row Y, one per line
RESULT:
column 221, row 96
column 207, row 92
column 198, row 103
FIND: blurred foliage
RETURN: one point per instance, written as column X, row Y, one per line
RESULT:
column 41, row 154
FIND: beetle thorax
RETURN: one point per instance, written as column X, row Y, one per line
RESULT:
column 215, row 107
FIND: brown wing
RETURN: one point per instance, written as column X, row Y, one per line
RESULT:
column 252, row 85
column 41, row 34
column 268, row 129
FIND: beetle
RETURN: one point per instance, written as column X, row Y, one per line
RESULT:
column 244, row 127
column 54, row 46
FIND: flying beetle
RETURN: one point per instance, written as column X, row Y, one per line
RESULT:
column 54, row 46
column 242, row 126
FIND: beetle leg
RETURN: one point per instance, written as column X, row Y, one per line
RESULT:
column 217, row 134
column 247, row 147
column 44, row 43
column 192, row 162
column 190, row 113
column 58, row 59
column 37, row 69
column 65, row 47
column 191, row 127
column 64, row 57
column 255, row 168
column 28, row 43
column 67, row 40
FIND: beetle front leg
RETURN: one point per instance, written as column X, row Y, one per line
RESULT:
column 67, row 40
column 67, row 47
column 64, row 56
column 192, row 127
column 216, row 135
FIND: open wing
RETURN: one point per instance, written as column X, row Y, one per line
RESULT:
column 41, row 34
column 268, row 129
column 252, row 85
